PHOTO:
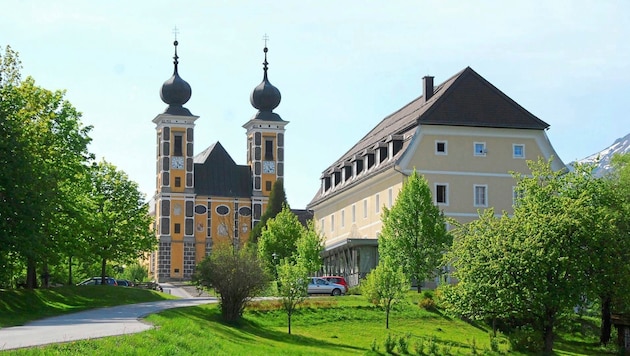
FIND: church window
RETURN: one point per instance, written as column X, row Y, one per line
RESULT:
column 268, row 149
column 178, row 182
column 200, row 209
column 268, row 185
column 178, row 147
column 222, row 210
column 245, row 211
column 178, row 228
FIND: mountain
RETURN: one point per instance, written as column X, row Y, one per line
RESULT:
column 621, row 145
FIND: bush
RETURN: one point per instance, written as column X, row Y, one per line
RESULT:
column 403, row 344
column 526, row 339
column 356, row 290
column 390, row 344
column 427, row 304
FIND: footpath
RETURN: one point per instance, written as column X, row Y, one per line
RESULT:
column 96, row 323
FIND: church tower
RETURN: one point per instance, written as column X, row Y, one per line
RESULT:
column 175, row 196
column 265, row 141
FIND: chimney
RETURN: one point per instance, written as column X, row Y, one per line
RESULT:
column 427, row 87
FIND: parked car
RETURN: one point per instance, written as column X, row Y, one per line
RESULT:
column 96, row 281
column 337, row 280
column 124, row 283
column 318, row 285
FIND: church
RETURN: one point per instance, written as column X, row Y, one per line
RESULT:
column 205, row 199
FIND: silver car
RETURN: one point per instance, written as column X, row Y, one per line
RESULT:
column 321, row 286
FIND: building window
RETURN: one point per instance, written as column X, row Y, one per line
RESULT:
column 390, row 197
column 441, row 193
column 440, row 148
column 343, row 218
column 321, row 228
column 480, row 149
column 178, row 228
column 365, row 209
column 268, row 185
column 178, row 182
column 354, row 213
column 481, row 195
column 268, row 149
column 178, row 146
column 332, row 223
column 377, row 208
column 518, row 151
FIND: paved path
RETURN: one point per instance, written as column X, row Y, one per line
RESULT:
column 94, row 323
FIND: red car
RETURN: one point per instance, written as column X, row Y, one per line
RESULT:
column 336, row 280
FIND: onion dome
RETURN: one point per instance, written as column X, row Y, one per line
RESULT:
column 265, row 97
column 176, row 91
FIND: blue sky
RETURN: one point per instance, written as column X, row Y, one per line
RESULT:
column 341, row 68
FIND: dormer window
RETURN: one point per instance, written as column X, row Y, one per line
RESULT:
column 369, row 158
column 357, row 166
column 326, row 181
column 347, row 171
column 394, row 144
column 381, row 151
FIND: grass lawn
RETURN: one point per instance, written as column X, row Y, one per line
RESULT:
column 17, row 306
column 322, row 326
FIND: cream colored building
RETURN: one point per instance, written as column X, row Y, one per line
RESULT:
column 465, row 136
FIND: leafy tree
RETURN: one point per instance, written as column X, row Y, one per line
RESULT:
column 292, row 286
column 237, row 275
column 277, row 201
column 414, row 232
column 279, row 237
column 539, row 257
column 135, row 273
column 385, row 285
column 120, row 221
column 309, row 247
column 45, row 150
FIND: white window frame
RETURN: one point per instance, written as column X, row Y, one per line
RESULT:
column 354, row 213
column 435, row 189
column 485, row 195
column 343, row 218
column 514, row 146
column 332, row 223
column 365, row 208
column 322, row 222
column 390, row 197
column 483, row 151
column 445, row 148
column 377, row 207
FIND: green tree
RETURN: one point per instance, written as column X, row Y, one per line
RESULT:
column 309, row 247
column 136, row 273
column 279, row 237
column 277, row 201
column 237, row 275
column 414, row 232
column 385, row 285
column 45, row 151
column 535, row 263
column 120, row 219
column 292, row 286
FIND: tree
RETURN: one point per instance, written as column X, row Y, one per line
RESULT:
column 277, row 201
column 120, row 229
column 534, row 263
column 237, row 275
column 293, row 286
column 279, row 237
column 385, row 285
column 414, row 232
column 309, row 247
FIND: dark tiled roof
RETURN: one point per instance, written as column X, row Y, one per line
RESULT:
column 216, row 174
column 303, row 215
column 465, row 99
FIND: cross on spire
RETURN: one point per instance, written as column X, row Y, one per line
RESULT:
column 175, row 32
column 265, row 38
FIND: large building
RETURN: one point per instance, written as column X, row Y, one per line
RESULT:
column 465, row 136
column 204, row 199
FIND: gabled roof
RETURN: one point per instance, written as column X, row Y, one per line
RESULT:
column 216, row 174
column 465, row 99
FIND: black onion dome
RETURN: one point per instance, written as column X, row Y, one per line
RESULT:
column 176, row 91
column 265, row 96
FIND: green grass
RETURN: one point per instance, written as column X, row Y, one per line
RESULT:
column 322, row 326
column 18, row 306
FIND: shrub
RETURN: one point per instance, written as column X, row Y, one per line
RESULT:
column 374, row 345
column 427, row 304
column 494, row 343
column 356, row 290
column 403, row 344
column 390, row 344
column 526, row 339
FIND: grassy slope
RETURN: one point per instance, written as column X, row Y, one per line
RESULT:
column 20, row 306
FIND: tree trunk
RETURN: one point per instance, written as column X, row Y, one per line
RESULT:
column 70, row 270
column 45, row 276
column 387, row 315
column 31, row 273
column 289, row 320
column 103, row 265
column 548, row 337
column 605, row 330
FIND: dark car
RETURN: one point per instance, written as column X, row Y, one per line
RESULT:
column 318, row 285
column 96, row 281
column 337, row 280
column 124, row 283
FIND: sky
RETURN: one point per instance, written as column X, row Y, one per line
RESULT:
column 341, row 66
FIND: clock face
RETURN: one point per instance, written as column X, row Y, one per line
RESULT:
column 269, row 167
column 178, row 162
